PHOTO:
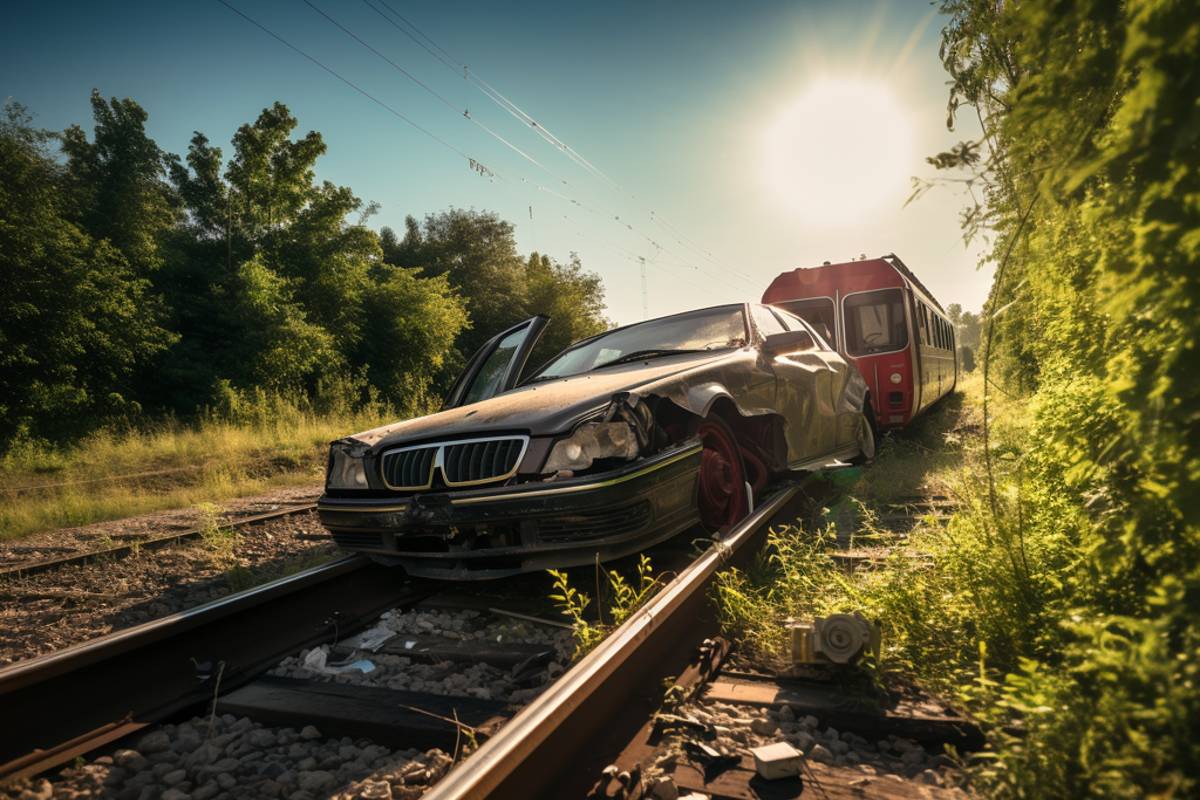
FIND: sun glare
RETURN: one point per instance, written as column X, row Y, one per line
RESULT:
column 838, row 151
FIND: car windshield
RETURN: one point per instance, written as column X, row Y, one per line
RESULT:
column 709, row 329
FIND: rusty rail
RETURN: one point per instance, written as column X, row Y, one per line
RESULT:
column 123, row 550
column 556, row 745
column 65, row 703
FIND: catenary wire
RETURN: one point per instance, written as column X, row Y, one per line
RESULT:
column 474, row 163
column 438, row 52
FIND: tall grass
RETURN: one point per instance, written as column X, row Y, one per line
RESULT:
column 252, row 442
column 994, row 609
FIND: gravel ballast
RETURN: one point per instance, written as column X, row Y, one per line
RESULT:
column 480, row 680
column 48, row 611
column 862, row 762
column 227, row 757
column 224, row 756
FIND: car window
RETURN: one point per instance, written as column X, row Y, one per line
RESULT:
column 707, row 329
column 487, row 381
column 766, row 322
column 875, row 322
column 817, row 312
column 794, row 323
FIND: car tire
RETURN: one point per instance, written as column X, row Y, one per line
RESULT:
column 721, row 489
column 868, row 437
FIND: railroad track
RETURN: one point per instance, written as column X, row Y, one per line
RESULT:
column 96, row 693
column 72, row 701
column 233, row 655
column 153, row 543
column 598, row 731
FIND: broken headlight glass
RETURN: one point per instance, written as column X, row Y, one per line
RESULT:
column 346, row 469
column 592, row 441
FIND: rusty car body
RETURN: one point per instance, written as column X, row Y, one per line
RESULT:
column 621, row 441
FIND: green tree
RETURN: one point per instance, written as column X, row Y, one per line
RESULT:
column 570, row 296
column 76, row 321
column 477, row 252
column 415, row 323
column 279, row 282
column 117, row 182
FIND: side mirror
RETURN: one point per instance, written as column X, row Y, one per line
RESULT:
column 788, row 342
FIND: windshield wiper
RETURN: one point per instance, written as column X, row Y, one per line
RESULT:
column 638, row 355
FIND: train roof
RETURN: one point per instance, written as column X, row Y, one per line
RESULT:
column 903, row 269
column 890, row 260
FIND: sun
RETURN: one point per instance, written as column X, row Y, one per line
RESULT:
column 837, row 152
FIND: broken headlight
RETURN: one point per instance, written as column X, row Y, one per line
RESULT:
column 346, row 469
column 592, row 441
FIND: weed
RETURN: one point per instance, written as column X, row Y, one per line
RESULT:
column 624, row 599
column 220, row 541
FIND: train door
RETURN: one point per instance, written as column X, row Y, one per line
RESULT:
column 874, row 324
column 918, row 363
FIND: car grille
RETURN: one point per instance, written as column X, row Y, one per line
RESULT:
column 409, row 469
column 462, row 463
column 474, row 462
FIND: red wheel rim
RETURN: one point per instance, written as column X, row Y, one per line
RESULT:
column 722, row 491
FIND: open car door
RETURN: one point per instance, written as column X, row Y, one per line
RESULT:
column 497, row 365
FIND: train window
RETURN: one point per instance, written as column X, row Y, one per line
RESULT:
column 817, row 312
column 875, row 322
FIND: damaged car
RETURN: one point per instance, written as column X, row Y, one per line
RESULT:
column 619, row 442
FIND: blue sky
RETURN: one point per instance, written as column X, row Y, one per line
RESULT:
column 713, row 116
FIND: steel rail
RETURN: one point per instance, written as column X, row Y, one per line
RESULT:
column 124, row 550
column 66, row 703
column 560, row 729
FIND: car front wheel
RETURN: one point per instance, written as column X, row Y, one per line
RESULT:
column 722, row 492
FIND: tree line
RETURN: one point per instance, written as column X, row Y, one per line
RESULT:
column 139, row 283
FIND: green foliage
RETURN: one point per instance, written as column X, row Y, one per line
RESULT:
column 573, row 604
column 477, row 254
column 142, row 284
column 77, row 322
column 624, row 598
column 1089, row 519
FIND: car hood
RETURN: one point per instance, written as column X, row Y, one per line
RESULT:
column 545, row 408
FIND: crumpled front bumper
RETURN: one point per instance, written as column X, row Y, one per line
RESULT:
column 499, row 531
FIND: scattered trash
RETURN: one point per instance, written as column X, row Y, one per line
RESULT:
column 775, row 761
column 371, row 639
column 713, row 761
column 317, row 658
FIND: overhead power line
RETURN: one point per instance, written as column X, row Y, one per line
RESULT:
column 474, row 164
column 441, row 98
column 431, row 91
column 472, row 161
column 413, row 32
column 438, row 52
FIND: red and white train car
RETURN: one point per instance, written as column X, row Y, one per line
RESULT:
column 878, row 314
